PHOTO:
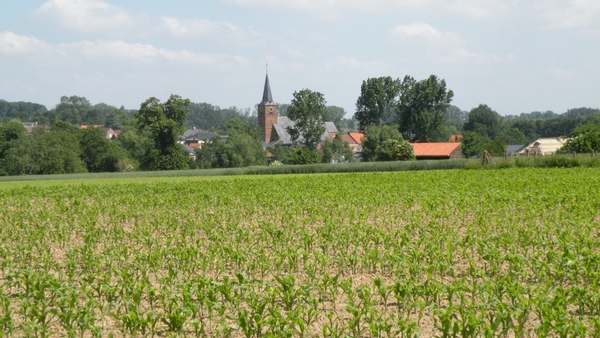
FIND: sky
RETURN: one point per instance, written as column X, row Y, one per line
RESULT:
column 515, row 56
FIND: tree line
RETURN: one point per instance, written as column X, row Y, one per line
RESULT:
column 391, row 113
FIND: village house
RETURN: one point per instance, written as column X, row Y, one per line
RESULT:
column 437, row 150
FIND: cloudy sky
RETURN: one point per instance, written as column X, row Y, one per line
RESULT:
column 513, row 55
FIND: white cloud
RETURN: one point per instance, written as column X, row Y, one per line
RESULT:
column 420, row 31
column 11, row 43
column 84, row 15
column 116, row 49
column 109, row 50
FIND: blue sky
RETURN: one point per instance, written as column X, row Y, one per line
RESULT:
column 515, row 56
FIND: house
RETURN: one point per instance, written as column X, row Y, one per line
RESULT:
column 354, row 141
column 437, row 150
column 275, row 128
column 194, row 138
column 514, row 149
column 280, row 134
column 543, row 146
column 198, row 134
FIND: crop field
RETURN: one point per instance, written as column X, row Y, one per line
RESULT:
column 456, row 253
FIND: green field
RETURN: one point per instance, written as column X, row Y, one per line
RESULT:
column 512, row 252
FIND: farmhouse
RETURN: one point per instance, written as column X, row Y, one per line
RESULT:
column 543, row 146
column 437, row 150
column 354, row 141
column 274, row 127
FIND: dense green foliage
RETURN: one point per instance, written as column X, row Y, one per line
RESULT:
column 446, row 253
column 376, row 104
column 485, row 121
column 584, row 139
column 308, row 110
column 374, row 137
column 474, row 143
column 240, row 150
column 164, row 121
column 422, row 107
column 394, row 150
column 304, row 155
column 336, row 151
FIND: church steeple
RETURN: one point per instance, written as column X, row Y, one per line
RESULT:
column 267, row 97
column 267, row 112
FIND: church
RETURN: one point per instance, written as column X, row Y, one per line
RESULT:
column 274, row 127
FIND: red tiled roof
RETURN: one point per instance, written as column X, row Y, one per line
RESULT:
column 357, row 137
column 435, row 148
column 348, row 139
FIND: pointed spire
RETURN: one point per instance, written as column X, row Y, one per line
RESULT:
column 267, row 97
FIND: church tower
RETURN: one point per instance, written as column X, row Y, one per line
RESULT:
column 267, row 112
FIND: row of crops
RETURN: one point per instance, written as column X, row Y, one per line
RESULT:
column 505, row 253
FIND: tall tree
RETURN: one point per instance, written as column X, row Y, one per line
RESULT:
column 165, row 123
column 335, row 114
column 99, row 153
column 308, row 111
column 485, row 121
column 73, row 109
column 375, row 105
column 421, row 107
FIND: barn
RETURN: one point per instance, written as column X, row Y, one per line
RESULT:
column 437, row 150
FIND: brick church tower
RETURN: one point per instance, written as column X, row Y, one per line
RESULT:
column 267, row 112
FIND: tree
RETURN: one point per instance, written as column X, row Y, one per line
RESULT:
column 374, row 137
column 526, row 126
column 305, row 155
column 281, row 153
column 99, row 153
column 584, row 139
column 165, row 123
column 394, row 150
column 335, row 114
column 375, row 105
column 238, row 126
column 73, row 109
column 308, row 111
column 456, row 116
column 12, row 155
column 336, row 151
column 485, row 121
column 240, row 150
column 474, row 143
column 421, row 107
column 56, row 151
column 514, row 136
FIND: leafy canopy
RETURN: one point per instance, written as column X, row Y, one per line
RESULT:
column 422, row 107
column 165, row 123
column 308, row 111
column 375, row 105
